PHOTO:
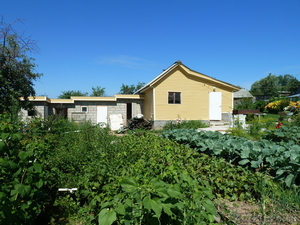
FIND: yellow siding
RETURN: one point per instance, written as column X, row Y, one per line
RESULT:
column 227, row 101
column 148, row 105
column 194, row 97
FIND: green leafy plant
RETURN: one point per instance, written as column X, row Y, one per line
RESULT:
column 184, row 124
column 22, row 175
column 282, row 161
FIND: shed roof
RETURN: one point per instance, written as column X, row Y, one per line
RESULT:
column 243, row 93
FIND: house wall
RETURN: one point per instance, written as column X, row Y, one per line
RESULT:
column 74, row 110
column 40, row 108
column 194, row 97
column 148, row 105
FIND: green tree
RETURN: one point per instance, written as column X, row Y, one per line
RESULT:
column 98, row 91
column 288, row 83
column 130, row 89
column 68, row 94
column 266, row 86
column 17, row 70
column 272, row 85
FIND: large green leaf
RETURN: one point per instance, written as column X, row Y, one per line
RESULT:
column 120, row 209
column 209, row 206
column 23, row 190
column 2, row 147
column 167, row 208
column 107, row 216
column 289, row 179
column 39, row 184
column 244, row 161
column 4, row 136
column 25, row 154
column 154, row 204
column 129, row 184
column 38, row 167
column 174, row 192
column 245, row 153
column 256, row 164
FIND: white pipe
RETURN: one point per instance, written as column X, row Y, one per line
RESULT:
column 68, row 189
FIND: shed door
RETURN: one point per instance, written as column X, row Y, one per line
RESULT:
column 102, row 114
column 215, row 105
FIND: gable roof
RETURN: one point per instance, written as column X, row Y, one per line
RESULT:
column 243, row 93
column 208, row 79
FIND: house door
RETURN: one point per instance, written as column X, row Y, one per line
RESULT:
column 63, row 112
column 215, row 105
column 130, row 110
column 102, row 114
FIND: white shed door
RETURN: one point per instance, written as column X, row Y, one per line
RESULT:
column 215, row 105
column 102, row 114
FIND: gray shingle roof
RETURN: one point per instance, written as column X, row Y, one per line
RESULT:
column 243, row 93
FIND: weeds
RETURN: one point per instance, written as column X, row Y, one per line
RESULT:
column 184, row 124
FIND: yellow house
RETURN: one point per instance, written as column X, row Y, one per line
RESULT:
column 179, row 92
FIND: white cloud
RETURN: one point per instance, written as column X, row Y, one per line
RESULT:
column 125, row 61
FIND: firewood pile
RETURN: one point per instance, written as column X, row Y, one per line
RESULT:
column 137, row 122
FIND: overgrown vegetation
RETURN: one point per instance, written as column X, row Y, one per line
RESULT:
column 184, row 124
column 139, row 178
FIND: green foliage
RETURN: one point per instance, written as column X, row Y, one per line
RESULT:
column 140, row 183
column 16, row 70
column 272, row 85
column 256, row 127
column 184, row 124
column 22, row 180
column 143, row 178
column 98, row 91
column 260, row 104
column 245, row 103
column 283, row 135
column 68, row 94
column 288, row 83
column 131, row 89
column 266, row 86
column 134, row 179
column 281, row 161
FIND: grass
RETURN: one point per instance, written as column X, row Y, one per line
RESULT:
column 272, row 117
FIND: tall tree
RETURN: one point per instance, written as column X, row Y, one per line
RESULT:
column 130, row 89
column 266, row 86
column 98, row 91
column 17, row 70
column 272, row 85
column 68, row 94
column 288, row 83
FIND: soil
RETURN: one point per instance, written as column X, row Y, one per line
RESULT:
column 244, row 213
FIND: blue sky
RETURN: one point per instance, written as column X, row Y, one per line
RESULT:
column 84, row 44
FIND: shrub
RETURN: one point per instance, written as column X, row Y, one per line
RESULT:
column 277, row 105
column 22, row 189
column 184, row 124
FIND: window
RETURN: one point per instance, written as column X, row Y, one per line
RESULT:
column 84, row 109
column 31, row 112
column 174, row 98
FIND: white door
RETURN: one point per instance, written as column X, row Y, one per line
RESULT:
column 215, row 105
column 102, row 115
